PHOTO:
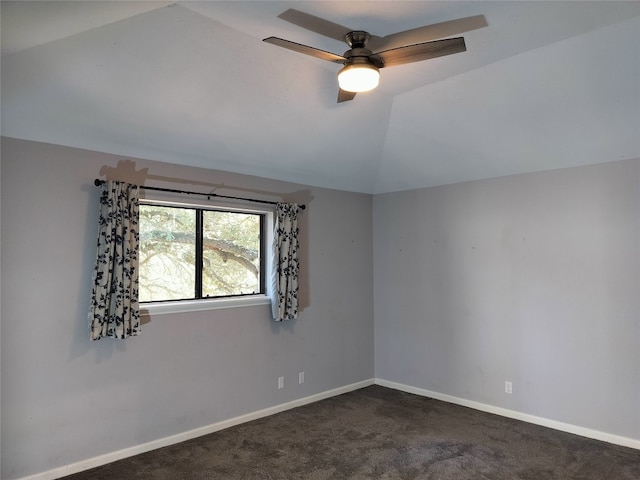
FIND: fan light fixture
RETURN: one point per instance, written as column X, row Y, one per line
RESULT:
column 359, row 77
column 360, row 71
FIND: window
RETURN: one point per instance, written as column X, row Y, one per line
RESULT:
column 193, row 253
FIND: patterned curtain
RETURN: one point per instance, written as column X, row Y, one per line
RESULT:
column 284, row 301
column 114, row 308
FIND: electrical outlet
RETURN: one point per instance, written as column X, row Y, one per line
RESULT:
column 280, row 383
column 508, row 387
column 301, row 377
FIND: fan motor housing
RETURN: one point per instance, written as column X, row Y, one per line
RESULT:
column 357, row 38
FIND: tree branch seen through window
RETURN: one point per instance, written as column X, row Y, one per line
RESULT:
column 193, row 253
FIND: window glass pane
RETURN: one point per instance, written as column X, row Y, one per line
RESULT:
column 167, row 253
column 231, row 253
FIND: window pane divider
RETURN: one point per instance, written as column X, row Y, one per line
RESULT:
column 199, row 247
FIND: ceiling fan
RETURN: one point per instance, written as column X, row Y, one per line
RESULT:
column 368, row 53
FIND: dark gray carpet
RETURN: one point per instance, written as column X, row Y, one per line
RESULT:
column 380, row 433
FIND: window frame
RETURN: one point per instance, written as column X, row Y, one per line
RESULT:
column 166, row 199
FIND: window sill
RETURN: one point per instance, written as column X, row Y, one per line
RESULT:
column 164, row 308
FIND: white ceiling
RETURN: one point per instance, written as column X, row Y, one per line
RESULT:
column 545, row 85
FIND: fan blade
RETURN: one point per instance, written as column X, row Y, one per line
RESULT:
column 422, row 51
column 315, row 24
column 428, row 32
column 344, row 96
column 298, row 47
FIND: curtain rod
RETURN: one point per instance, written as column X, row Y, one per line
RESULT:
column 99, row 182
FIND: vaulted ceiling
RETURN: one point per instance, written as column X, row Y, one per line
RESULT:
column 544, row 85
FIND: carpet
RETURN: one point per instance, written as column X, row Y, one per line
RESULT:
column 380, row 433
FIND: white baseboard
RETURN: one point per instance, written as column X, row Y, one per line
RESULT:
column 198, row 432
column 545, row 422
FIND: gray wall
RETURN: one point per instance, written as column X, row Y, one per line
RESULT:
column 66, row 399
column 531, row 278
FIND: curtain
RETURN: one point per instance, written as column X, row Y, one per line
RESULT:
column 114, row 310
column 284, row 300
